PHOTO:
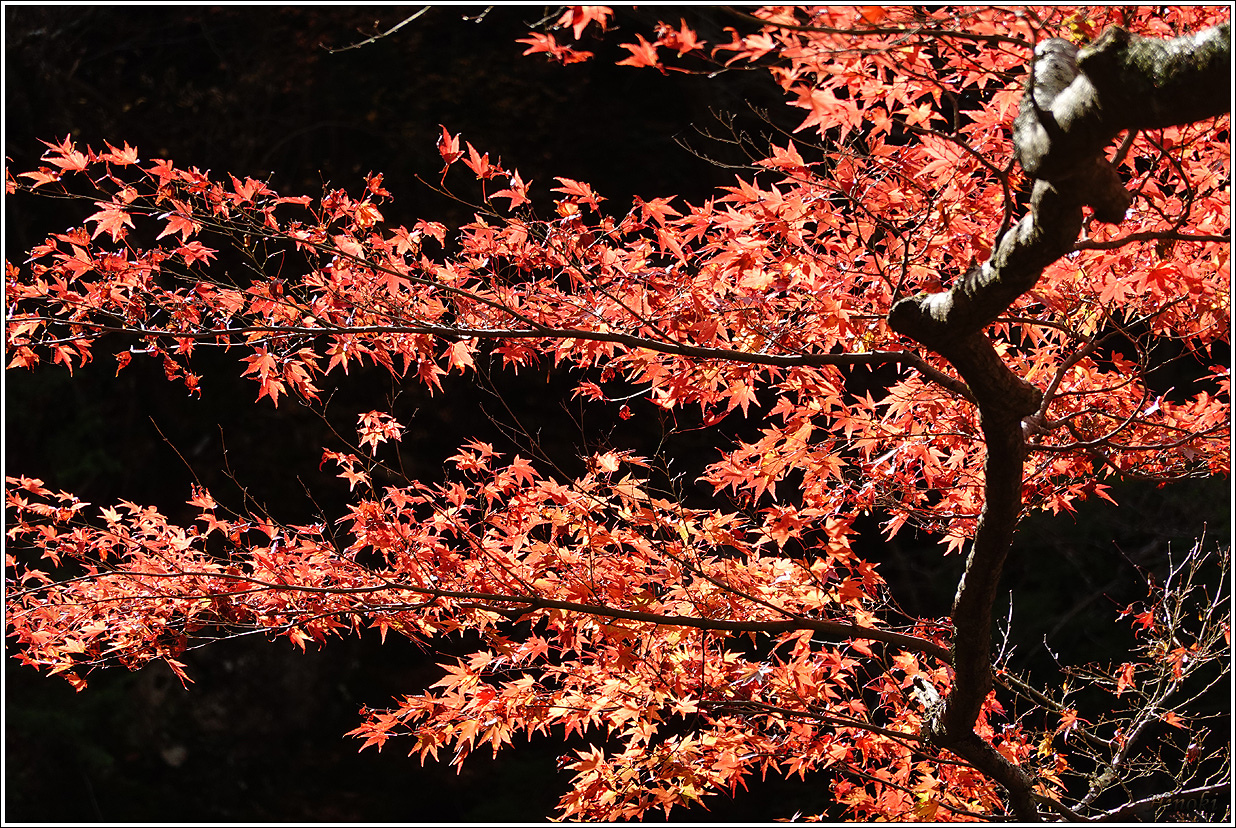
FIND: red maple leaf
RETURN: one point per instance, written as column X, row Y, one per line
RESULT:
column 578, row 18
column 111, row 219
column 516, row 191
column 642, row 52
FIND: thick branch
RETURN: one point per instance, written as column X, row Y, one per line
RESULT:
column 1042, row 236
column 1075, row 103
column 1119, row 82
column 1145, row 83
column 1004, row 399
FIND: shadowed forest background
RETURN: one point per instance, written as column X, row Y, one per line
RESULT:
column 256, row 92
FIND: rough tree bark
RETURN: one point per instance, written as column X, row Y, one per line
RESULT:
column 1076, row 102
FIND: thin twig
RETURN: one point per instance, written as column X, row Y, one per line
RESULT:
column 378, row 37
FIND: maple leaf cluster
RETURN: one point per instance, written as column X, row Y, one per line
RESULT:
column 704, row 644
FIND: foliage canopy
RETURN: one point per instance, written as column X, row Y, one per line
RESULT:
column 1022, row 254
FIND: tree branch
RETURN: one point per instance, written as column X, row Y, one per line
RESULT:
column 1064, row 123
column 871, row 358
column 386, row 33
column 836, row 629
column 1124, row 812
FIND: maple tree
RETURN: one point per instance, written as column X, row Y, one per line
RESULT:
column 1017, row 210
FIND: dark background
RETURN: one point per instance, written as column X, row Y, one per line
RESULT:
column 253, row 91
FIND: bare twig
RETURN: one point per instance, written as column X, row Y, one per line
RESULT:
column 386, row 33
